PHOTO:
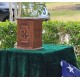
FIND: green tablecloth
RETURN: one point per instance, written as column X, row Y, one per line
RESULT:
column 32, row 63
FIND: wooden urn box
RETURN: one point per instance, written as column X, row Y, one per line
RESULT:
column 29, row 33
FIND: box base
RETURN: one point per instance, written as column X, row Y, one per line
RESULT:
column 24, row 48
column 29, row 48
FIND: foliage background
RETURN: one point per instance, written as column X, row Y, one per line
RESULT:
column 32, row 9
column 7, row 34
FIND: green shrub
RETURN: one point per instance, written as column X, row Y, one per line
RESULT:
column 7, row 34
column 51, row 33
column 73, row 28
column 53, row 28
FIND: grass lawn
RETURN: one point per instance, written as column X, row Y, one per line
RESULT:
column 64, row 11
column 51, row 5
column 65, row 15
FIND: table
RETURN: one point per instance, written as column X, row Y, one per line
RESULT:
column 44, row 62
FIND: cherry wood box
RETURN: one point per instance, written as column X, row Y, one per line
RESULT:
column 29, row 33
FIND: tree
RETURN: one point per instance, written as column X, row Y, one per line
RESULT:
column 32, row 9
column 27, row 9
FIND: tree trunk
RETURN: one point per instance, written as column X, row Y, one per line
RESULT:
column 11, row 12
column 15, row 10
column 19, row 9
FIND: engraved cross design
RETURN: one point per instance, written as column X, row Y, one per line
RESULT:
column 24, row 33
